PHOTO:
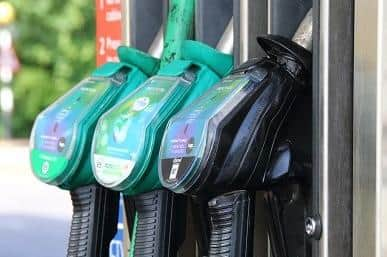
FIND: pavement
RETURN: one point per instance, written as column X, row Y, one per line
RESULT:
column 34, row 217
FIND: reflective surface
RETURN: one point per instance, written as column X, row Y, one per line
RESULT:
column 333, row 125
column 370, row 128
column 145, row 36
column 250, row 20
column 226, row 42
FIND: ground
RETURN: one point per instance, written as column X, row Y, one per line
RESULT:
column 34, row 217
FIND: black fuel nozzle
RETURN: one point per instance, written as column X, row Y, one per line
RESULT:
column 255, row 160
column 247, row 161
column 231, row 224
column 225, row 140
column 226, row 137
column 94, row 221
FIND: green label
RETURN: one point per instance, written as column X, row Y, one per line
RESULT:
column 47, row 166
column 55, row 130
column 120, row 134
column 186, row 133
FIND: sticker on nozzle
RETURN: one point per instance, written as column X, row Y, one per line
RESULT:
column 120, row 133
column 55, row 129
column 182, row 142
column 110, row 169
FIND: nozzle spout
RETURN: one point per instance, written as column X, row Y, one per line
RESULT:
column 226, row 42
column 303, row 35
column 156, row 48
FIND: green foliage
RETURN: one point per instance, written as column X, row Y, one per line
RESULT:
column 55, row 42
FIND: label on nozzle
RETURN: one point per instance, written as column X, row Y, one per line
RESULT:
column 119, row 138
column 54, row 133
column 187, row 130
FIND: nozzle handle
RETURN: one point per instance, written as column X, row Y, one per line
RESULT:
column 160, row 227
column 94, row 221
column 231, row 221
column 276, row 233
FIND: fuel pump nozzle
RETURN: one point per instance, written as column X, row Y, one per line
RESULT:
column 229, row 134
column 61, row 141
column 258, row 167
column 127, row 137
column 252, row 145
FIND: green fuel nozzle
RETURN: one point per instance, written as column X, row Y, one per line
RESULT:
column 60, row 138
column 60, row 147
column 203, row 141
column 127, row 139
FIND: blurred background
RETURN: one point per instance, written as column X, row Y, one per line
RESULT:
column 45, row 48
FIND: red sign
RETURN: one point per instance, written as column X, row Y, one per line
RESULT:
column 108, row 26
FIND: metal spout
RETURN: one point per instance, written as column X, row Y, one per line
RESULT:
column 156, row 48
column 226, row 41
column 303, row 35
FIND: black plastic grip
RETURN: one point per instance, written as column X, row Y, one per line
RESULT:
column 94, row 221
column 160, row 226
column 231, row 222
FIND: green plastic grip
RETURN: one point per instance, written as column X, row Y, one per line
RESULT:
column 195, row 51
column 146, row 63
column 179, row 28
